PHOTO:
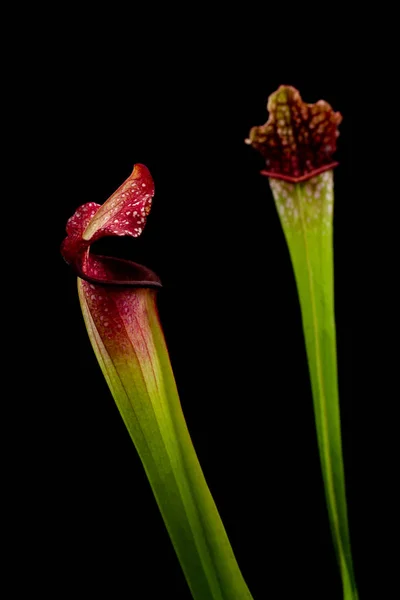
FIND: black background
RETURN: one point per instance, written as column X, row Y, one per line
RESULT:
column 104, row 97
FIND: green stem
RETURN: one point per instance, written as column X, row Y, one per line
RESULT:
column 306, row 215
column 143, row 386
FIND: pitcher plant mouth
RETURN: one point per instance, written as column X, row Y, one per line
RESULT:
column 120, row 273
column 302, row 178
